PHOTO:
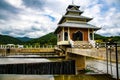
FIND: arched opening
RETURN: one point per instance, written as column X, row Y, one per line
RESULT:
column 65, row 36
column 78, row 36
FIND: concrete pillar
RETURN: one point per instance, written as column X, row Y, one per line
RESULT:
column 79, row 60
column 63, row 33
column 88, row 34
column 93, row 34
column 68, row 33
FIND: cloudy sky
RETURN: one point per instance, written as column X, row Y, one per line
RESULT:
column 35, row 18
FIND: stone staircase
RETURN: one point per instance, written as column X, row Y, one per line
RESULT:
column 82, row 45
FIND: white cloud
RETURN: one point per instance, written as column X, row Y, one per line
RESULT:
column 108, row 19
column 15, row 3
column 35, row 23
column 35, row 34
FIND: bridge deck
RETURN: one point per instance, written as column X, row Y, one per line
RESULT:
column 93, row 52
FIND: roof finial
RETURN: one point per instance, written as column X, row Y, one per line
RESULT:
column 72, row 1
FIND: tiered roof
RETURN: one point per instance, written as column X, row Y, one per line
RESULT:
column 73, row 18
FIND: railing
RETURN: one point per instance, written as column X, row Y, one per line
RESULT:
column 80, row 44
column 26, row 46
column 103, row 45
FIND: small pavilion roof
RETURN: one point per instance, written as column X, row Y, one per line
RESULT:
column 76, row 25
column 72, row 16
column 70, row 6
column 69, row 10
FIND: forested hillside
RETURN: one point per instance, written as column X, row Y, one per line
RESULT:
column 24, row 39
column 48, row 39
column 106, row 39
column 4, row 39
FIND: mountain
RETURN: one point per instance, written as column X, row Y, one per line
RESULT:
column 24, row 39
column 4, row 39
column 48, row 39
column 51, row 39
column 97, row 36
column 107, row 39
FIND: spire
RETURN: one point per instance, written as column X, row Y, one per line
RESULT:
column 72, row 2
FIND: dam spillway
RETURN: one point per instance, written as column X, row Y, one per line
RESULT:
column 54, row 67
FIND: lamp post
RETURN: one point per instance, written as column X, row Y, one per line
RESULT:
column 116, row 54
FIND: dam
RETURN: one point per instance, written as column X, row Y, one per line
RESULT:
column 58, row 58
column 75, row 44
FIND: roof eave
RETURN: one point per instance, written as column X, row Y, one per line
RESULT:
column 74, row 11
column 96, row 28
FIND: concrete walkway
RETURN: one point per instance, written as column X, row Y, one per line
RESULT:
column 84, row 77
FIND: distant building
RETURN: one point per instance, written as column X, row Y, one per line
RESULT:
column 74, row 27
column 10, row 45
column 14, row 46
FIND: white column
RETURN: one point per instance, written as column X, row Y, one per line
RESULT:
column 88, row 34
column 93, row 34
column 68, row 33
column 63, row 34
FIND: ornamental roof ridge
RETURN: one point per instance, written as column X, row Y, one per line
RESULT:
column 73, row 6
